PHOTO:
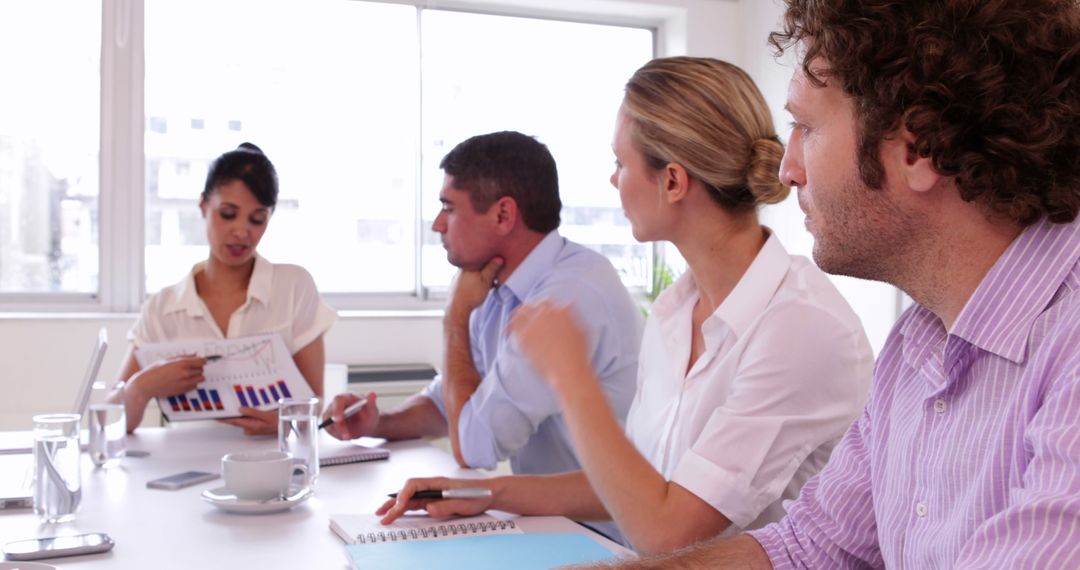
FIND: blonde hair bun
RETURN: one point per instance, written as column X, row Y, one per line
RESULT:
column 763, row 172
column 708, row 116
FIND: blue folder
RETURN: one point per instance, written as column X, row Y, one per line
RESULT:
column 493, row 552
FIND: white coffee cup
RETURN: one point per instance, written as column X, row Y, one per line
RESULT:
column 258, row 475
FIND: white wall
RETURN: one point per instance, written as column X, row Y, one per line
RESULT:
column 43, row 356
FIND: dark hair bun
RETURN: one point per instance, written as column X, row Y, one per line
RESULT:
column 250, row 147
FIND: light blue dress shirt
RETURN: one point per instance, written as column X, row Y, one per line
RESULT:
column 514, row 413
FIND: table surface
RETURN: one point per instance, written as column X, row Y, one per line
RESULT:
column 163, row 529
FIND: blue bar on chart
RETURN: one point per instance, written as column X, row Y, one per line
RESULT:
column 204, row 399
column 284, row 389
column 273, row 392
column 265, row 398
column 174, row 404
column 252, row 397
column 218, row 405
column 184, row 402
column 240, row 394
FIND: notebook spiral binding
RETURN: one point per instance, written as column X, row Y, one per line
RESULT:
column 437, row 531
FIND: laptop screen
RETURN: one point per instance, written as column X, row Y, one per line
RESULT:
column 20, row 442
column 87, row 386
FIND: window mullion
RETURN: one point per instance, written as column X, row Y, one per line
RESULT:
column 122, row 159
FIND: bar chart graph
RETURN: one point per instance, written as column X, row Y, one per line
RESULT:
column 250, row 372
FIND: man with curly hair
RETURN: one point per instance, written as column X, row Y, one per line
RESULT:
column 936, row 146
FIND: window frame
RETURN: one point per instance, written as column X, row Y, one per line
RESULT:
column 122, row 177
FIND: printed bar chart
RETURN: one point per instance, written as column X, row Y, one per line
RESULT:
column 201, row 400
column 251, row 372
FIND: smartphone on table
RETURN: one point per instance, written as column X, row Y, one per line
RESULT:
column 57, row 546
column 181, row 480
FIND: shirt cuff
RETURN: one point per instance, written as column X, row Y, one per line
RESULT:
column 476, row 439
column 727, row 492
column 772, row 543
column 433, row 392
column 324, row 318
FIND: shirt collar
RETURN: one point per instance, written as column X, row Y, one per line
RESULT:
column 532, row 268
column 262, row 277
column 746, row 301
column 1001, row 312
column 187, row 298
column 751, row 295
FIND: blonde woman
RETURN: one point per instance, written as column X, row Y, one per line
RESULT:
column 752, row 365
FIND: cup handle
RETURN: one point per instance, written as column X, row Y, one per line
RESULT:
column 305, row 469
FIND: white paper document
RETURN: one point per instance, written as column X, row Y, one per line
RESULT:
column 251, row 371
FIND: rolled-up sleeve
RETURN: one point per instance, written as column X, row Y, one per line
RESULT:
column 797, row 387
column 506, row 409
column 312, row 316
column 513, row 400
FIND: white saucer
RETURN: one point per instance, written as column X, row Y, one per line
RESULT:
column 25, row 566
column 225, row 500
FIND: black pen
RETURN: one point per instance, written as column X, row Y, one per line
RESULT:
column 349, row 412
column 214, row 357
column 463, row 493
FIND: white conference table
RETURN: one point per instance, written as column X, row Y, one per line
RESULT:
column 176, row 529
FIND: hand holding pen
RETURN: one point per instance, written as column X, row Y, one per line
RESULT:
column 441, row 497
column 349, row 417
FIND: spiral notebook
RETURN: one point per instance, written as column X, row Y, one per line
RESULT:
column 478, row 552
column 366, row 529
column 352, row 454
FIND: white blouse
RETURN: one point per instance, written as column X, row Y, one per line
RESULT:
column 786, row 368
column 281, row 298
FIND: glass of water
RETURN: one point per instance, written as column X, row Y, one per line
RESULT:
column 57, row 483
column 108, row 433
column 298, row 432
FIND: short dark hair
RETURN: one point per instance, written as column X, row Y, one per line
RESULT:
column 989, row 89
column 249, row 165
column 508, row 163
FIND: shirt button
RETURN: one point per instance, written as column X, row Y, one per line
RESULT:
column 921, row 510
column 939, row 406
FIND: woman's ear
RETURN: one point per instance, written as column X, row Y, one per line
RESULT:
column 675, row 182
column 203, row 206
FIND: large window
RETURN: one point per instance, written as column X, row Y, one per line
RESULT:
column 356, row 105
column 354, row 102
column 49, row 146
column 559, row 81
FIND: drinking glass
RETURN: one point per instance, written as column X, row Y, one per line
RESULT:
column 108, row 433
column 57, row 486
column 298, row 433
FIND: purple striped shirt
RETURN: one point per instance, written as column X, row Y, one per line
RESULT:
column 968, row 452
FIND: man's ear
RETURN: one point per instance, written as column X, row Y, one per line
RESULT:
column 901, row 158
column 505, row 210
column 675, row 182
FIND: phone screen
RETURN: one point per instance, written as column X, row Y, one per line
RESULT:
column 181, row 480
column 58, row 546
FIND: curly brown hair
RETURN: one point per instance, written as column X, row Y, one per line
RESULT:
column 990, row 90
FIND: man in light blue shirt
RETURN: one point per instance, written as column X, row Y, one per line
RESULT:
column 499, row 226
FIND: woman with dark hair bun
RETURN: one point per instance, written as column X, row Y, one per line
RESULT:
column 234, row 293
